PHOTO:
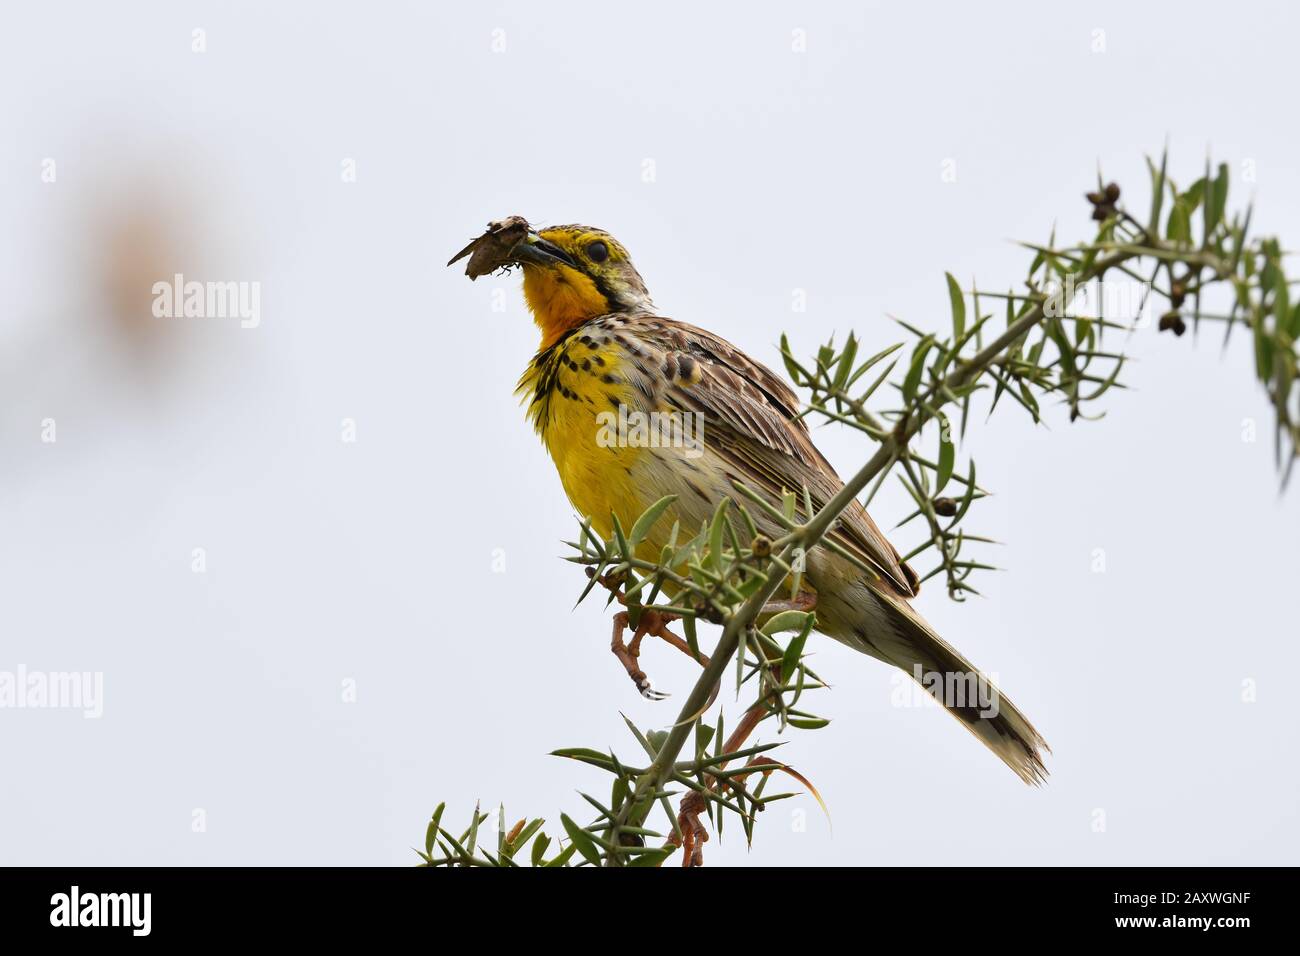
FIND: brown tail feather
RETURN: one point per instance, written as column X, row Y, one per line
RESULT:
column 913, row 646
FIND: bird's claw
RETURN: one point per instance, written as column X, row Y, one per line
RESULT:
column 648, row 691
column 650, row 622
column 627, row 653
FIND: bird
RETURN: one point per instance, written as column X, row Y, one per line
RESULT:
column 605, row 351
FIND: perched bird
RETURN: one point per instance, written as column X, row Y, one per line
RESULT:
column 605, row 351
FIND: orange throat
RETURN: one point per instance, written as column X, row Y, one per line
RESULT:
column 561, row 299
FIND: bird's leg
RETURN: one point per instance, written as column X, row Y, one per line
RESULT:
column 627, row 655
column 651, row 622
column 803, row 601
column 659, row 628
column 693, row 833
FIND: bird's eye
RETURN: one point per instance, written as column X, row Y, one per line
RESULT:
column 597, row 251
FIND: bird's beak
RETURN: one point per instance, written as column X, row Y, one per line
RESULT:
column 534, row 250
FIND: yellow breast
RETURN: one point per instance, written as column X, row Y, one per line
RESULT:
column 574, row 391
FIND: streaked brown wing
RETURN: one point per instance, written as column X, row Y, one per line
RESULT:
column 752, row 417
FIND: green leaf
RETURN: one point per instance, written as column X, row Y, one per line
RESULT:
column 791, row 366
column 540, row 846
column 969, row 496
column 689, row 549
column 1029, row 401
column 807, row 723
column 958, row 308
column 750, row 585
column 703, row 734
column 620, row 540
column 431, row 833
column 1217, row 199
column 1281, row 299
column 1157, row 191
column 473, row 830
column 845, row 364
column 790, row 659
column 688, row 626
column 653, row 857
column 1180, row 222
column 581, row 839
column 618, row 793
column 917, row 369
column 648, row 519
column 874, row 360
column 741, row 649
column 786, row 621
column 716, row 528
column 563, row 858
column 947, row 454
column 824, row 356
column 1263, row 353
column 585, row 755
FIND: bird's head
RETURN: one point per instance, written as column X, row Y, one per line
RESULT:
column 571, row 273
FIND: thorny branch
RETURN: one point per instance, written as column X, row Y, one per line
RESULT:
column 1186, row 250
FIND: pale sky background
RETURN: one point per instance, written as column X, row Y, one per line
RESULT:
column 372, row 561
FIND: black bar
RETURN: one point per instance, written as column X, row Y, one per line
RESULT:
column 328, row 905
